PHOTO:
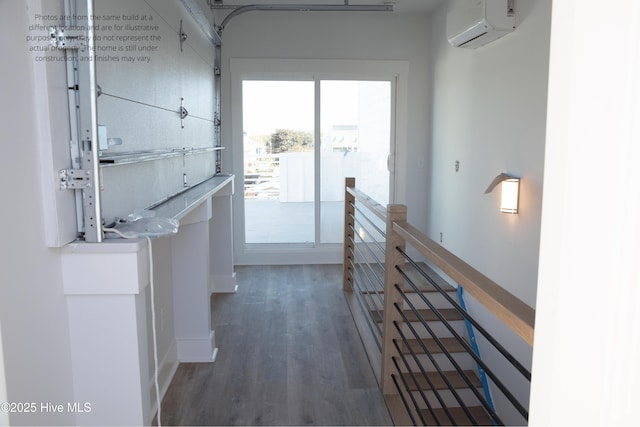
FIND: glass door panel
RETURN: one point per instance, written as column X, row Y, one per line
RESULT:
column 355, row 134
column 279, row 173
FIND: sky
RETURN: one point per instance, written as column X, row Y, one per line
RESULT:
column 268, row 105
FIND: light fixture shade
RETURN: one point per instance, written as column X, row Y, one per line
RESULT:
column 510, row 194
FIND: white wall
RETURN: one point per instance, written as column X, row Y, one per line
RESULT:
column 32, row 306
column 489, row 113
column 489, row 110
column 322, row 35
column 586, row 369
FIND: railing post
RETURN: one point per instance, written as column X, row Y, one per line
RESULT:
column 349, row 236
column 392, row 277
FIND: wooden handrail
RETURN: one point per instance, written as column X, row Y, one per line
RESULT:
column 517, row 315
column 375, row 207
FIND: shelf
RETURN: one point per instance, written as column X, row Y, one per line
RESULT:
column 180, row 205
column 130, row 157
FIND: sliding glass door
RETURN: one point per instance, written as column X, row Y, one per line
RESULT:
column 300, row 140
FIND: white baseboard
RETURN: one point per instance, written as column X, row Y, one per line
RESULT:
column 197, row 350
column 223, row 284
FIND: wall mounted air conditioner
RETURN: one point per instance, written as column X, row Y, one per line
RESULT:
column 478, row 22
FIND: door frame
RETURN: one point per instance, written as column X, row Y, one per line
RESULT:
column 311, row 69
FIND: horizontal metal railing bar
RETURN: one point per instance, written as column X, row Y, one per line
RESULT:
column 376, row 337
column 375, row 207
column 379, row 280
column 443, row 375
column 448, row 313
column 437, row 394
column 516, row 404
column 516, row 364
column 517, row 315
column 363, row 290
column 373, row 240
column 478, row 412
column 404, row 401
column 369, row 291
column 364, row 278
column 365, row 216
column 489, row 406
column 455, row 364
column 363, row 294
column 411, row 396
column 463, row 374
column 359, row 296
column 371, row 252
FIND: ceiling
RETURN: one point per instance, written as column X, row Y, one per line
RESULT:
column 401, row 6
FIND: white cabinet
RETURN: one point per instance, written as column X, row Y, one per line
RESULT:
column 106, row 286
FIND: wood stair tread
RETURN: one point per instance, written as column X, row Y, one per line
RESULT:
column 451, row 344
column 427, row 314
column 421, row 283
column 458, row 414
column 454, row 377
column 417, row 278
column 425, row 287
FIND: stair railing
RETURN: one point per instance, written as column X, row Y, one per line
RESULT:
column 364, row 258
column 420, row 373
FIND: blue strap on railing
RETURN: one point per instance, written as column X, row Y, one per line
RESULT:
column 474, row 345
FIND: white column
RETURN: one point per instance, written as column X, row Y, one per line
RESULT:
column 105, row 286
column 190, row 250
column 223, row 278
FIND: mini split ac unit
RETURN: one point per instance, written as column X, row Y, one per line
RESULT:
column 480, row 22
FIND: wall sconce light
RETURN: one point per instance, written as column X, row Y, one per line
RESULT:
column 510, row 192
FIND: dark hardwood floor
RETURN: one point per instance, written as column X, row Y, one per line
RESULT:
column 289, row 354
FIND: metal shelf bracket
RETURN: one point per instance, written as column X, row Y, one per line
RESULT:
column 75, row 179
